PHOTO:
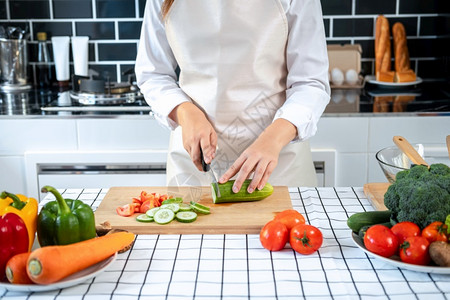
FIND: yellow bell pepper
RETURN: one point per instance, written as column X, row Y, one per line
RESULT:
column 26, row 208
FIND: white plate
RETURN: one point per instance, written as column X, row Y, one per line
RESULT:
column 395, row 260
column 71, row 280
column 371, row 79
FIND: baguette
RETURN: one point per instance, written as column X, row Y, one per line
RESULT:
column 386, row 76
column 382, row 48
column 405, row 76
column 403, row 71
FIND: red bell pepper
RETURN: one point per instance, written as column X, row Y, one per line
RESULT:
column 13, row 239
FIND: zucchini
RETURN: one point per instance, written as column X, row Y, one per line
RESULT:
column 358, row 220
column 227, row 194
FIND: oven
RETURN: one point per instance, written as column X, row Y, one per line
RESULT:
column 94, row 169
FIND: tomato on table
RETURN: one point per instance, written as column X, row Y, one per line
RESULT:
column 436, row 231
column 274, row 235
column 290, row 218
column 414, row 250
column 125, row 210
column 146, row 205
column 305, row 239
column 405, row 229
column 380, row 240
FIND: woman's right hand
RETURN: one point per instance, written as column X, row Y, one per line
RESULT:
column 197, row 132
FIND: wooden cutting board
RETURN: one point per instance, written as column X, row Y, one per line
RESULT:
column 375, row 194
column 230, row 218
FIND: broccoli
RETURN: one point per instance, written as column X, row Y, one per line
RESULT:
column 420, row 195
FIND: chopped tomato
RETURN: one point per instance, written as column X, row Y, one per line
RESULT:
column 146, row 206
column 125, row 211
column 141, row 204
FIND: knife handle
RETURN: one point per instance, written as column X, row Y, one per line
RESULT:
column 205, row 166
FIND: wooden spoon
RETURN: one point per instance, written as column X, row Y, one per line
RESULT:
column 409, row 150
column 448, row 144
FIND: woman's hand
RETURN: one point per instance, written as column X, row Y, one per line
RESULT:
column 197, row 132
column 261, row 157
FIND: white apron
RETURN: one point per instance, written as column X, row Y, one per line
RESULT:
column 232, row 59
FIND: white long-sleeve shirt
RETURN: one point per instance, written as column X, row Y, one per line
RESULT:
column 308, row 90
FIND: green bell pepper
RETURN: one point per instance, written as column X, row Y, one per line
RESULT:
column 64, row 221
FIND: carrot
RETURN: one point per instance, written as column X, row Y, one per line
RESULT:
column 52, row 263
column 16, row 269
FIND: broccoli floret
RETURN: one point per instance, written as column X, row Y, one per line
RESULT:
column 440, row 169
column 420, row 195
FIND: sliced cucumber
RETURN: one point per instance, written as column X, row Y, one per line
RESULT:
column 151, row 211
column 186, row 216
column 164, row 216
column 200, row 210
column 173, row 200
column 185, row 207
column 201, row 206
column 144, row 218
column 175, row 207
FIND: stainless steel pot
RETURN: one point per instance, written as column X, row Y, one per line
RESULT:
column 13, row 64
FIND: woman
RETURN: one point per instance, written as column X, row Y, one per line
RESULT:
column 253, row 84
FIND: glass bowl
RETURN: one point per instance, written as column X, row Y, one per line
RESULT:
column 392, row 160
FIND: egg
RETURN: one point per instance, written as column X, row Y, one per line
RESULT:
column 351, row 77
column 337, row 76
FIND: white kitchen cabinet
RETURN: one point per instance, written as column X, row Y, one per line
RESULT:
column 346, row 145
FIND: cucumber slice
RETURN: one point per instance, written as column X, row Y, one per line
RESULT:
column 200, row 210
column 175, row 207
column 144, row 218
column 164, row 216
column 185, row 207
column 151, row 211
column 200, row 206
column 186, row 216
column 173, row 200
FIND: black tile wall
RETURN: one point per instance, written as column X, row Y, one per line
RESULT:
column 352, row 27
column 375, row 7
column 113, row 27
column 3, row 9
column 129, row 30
column 31, row 9
column 336, row 7
column 96, row 30
column 115, row 9
column 72, row 9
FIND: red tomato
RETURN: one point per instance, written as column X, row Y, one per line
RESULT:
column 404, row 230
column 125, row 211
column 414, row 250
column 274, row 236
column 436, row 231
column 290, row 218
column 145, row 206
column 380, row 240
column 305, row 239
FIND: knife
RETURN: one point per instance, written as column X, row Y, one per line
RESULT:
column 207, row 168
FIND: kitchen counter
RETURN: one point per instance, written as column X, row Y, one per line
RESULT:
column 238, row 267
column 429, row 98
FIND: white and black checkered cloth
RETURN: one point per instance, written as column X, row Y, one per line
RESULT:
column 238, row 267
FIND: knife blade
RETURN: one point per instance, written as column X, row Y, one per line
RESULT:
column 207, row 168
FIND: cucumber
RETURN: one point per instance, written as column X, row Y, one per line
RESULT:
column 186, row 216
column 175, row 207
column 201, row 209
column 358, row 220
column 227, row 194
column 185, row 207
column 178, row 200
column 164, row 216
column 144, row 218
column 151, row 211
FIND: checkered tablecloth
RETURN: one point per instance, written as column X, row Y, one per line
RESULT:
column 238, row 267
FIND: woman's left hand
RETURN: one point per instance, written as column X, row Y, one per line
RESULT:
column 261, row 157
